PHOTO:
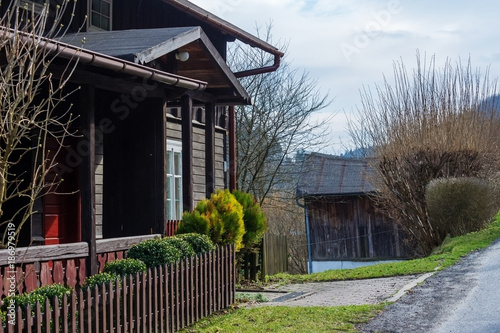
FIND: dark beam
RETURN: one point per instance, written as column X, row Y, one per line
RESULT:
column 209, row 149
column 232, row 148
column 158, row 107
column 187, row 152
column 87, row 174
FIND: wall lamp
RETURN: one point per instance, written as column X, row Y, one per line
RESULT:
column 182, row 56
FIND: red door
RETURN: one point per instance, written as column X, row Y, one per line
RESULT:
column 61, row 208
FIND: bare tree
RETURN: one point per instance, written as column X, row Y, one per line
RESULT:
column 431, row 123
column 31, row 109
column 279, row 122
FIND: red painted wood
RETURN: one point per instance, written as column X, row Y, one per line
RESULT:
column 58, row 272
column 101, row 259
column 19, row 279
column 61, row 212
column 111, row 257
column 82, row 271
column 30, row 279
column 45, row 274
column 71, row 273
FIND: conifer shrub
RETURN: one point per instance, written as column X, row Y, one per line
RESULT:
column 185, row 249
column 125, row 267
column 200, row 243
column 457, row 206
column 154, row 252
column 224, row 216
column 253, row 218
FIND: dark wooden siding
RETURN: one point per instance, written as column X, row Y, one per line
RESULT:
column 174, row 133
column 348, row 228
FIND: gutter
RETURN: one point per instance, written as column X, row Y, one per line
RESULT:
column 233, row 30
column 87, row 57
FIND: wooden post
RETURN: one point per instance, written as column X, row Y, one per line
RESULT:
column 160, row 165
column 87, row 174
column 187, row 152
column 209, row 149
column 232, row 148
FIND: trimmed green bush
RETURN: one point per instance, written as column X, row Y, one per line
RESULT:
column 253, row 217
column 185, row 249
column 39, row 294
column 124, row 267
column 199, row 243
column 99, row 279
column 154, row 252
column 457, row 206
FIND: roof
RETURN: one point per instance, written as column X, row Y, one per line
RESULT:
column 327, row 175
column 143, row 46
column 134, row 45
column 223, row 25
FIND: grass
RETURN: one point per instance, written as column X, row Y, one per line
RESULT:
column 250, row 297
column 451, row 251
column 288, row 319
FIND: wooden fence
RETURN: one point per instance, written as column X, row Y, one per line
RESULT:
column 38, row 266
column 274, row 254
column 164, row 299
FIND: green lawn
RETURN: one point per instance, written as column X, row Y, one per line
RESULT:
column 344, row 318
column 288, row 319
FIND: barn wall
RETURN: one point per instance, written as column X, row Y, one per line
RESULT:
column 348, row 228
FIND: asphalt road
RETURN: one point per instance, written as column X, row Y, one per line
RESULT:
column 463, row 298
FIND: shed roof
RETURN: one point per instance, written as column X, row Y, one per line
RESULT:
column 327, row 175
column 144, row 46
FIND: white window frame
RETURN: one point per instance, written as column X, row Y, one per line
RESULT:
column 173, row 205
column 90, row 26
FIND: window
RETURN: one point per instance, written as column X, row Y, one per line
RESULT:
column 36, row 5
column 174, row 180
column 100, row 14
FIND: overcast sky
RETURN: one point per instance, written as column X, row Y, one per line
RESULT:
column 346, row 45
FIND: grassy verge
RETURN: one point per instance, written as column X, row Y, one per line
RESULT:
column 450, row 252
column 288, row 319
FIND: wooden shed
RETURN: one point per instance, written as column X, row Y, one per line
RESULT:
column 341, row 219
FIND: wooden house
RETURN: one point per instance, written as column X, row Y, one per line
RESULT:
column 156, row 118
column 342, row 222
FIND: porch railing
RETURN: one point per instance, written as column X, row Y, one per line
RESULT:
column 38, row 266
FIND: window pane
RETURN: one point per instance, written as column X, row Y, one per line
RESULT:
column 178, row 188
column 178, row 164
column 169, row 162
column 105, row 24
column 96, row 5
column 105, row 9
column 96, row 20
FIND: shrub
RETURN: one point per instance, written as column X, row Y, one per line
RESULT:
column 37, row 295
column 154, row 252
column 224, row 216
column 199, row 243
column 185, row 249
column 125, row 267
column 457, row 206
column 253, row 218
column 194, row 222
column 99, row 279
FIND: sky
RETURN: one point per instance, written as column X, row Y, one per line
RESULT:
column 347, row 45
